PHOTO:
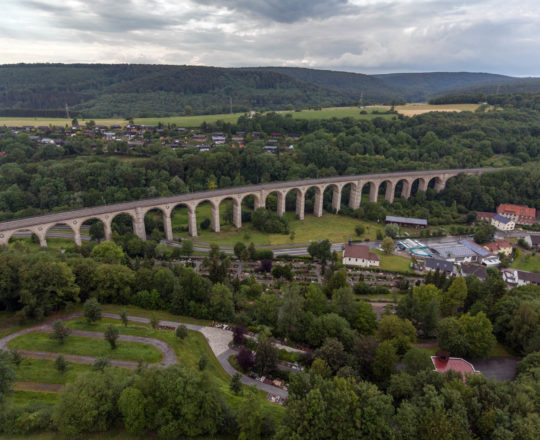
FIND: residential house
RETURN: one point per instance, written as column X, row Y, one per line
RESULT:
column 533, row 241
column 515, row 277
column 432, row 264
column 503, row 223
column 485, row 257
column 360, row 255
column 520, row 214
column 499, row 247
column 485, row 216
column 475, row 270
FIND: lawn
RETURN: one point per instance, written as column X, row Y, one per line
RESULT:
column 43, row 370
column 394, row 263
column 336, row 228
column 528, row 262
column 83, row 346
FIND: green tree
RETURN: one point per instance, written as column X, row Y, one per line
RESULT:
column 468, row 336
column 391, row 230
column 203, row 362
column 388, row 245
column 101, row 363
column 187, row 247
column 114, row 283
column 181, row 332
column 97, row 231
column 266, row 356
column 132, row 406
column 89, row 404
column 360, row 229
column 7, row 375
column 417, row 359
column 454, row 298
column 365, row 320
column 108, row 252
column 236, row 384
column 124, row 318
column 316, row 301
column 217, row 264
column 391, row 327
column 60, row 331
column 240, row 251
column 111, row 335
column 92, row 310
column 333, row 353
column 385, row 362
column 221, row 303
column 483, row 232
column 250, row 417
column 154, row 321
column 60, row 363
column 320, row 250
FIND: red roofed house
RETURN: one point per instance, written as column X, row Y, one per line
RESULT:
column 486, row 216
column 499, row 246
column 359, row 255
column 443, row 363
column 520, row 214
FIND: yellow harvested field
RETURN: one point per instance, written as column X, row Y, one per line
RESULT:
column 420, row 108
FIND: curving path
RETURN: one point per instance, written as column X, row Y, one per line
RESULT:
column 218, row 340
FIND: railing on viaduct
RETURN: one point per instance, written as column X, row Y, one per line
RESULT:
column 137, row 209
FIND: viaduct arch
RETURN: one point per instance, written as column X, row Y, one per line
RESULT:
column 137, row 209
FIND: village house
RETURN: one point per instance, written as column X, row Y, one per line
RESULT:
column 515, row 277
column 533, row 241
column 503, row 223
column 520, row 214
column 474, row 270
column 499, row 247
column 433, row 264
column 485, row 216
column 359, row 255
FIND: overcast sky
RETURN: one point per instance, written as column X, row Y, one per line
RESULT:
column 499, row 36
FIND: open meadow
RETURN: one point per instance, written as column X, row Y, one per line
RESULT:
column 195, row 121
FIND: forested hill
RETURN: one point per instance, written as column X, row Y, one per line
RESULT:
column 159, row 90
column 357, row 85
column 422, row 86
column 137, row 90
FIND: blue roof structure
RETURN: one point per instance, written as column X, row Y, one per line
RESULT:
column 412, row 221
column 474, row 247
column 502, row 219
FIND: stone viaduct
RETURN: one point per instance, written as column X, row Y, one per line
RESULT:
column 137, row 209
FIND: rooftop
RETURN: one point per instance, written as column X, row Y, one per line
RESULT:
column 359, row 251
column 520, row 210
column 474, row 247
column 502, row 219
column 454, row 364
column 435, row 263
column 479, row 272
column 453, row 250
column 412, row 221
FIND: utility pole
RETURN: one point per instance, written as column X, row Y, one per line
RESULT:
column 230, row 104
column 67, row 112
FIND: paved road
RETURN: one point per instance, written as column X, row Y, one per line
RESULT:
column 190, row 197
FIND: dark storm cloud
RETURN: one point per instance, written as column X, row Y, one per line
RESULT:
column 283, row 11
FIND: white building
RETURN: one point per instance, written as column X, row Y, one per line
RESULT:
column 503, row 223
column 359, row 255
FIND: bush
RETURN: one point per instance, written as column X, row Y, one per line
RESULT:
column 181, row 331
column 245, row 359
column 92, row 310
column 360, row 229
column 205, row 224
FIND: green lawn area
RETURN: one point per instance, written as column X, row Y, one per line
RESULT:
column 497, row 351
column 79, row 345
column 43, row 370
column 52, row 242
column 528, row 262
column 394, row 263
column 336, row 228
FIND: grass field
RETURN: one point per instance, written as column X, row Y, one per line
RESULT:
column 394, row 263
column 43, row 370
column 196, row 121
column 79, row 345
column 529, row 262
column 188, row 352
column 336, row 228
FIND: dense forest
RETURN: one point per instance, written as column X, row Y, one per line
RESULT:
column 352, row 368
column 100, row 91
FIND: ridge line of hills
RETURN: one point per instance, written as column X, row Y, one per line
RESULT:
column 138, row 90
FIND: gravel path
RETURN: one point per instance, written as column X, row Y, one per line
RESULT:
column 218, row 340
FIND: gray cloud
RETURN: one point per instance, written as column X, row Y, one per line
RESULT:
column 356, row 35
column 283, row 11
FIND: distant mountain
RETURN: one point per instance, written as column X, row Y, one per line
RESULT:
column 518, row 85
column 422, row 86
column 158, row 90
column 137, row 90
